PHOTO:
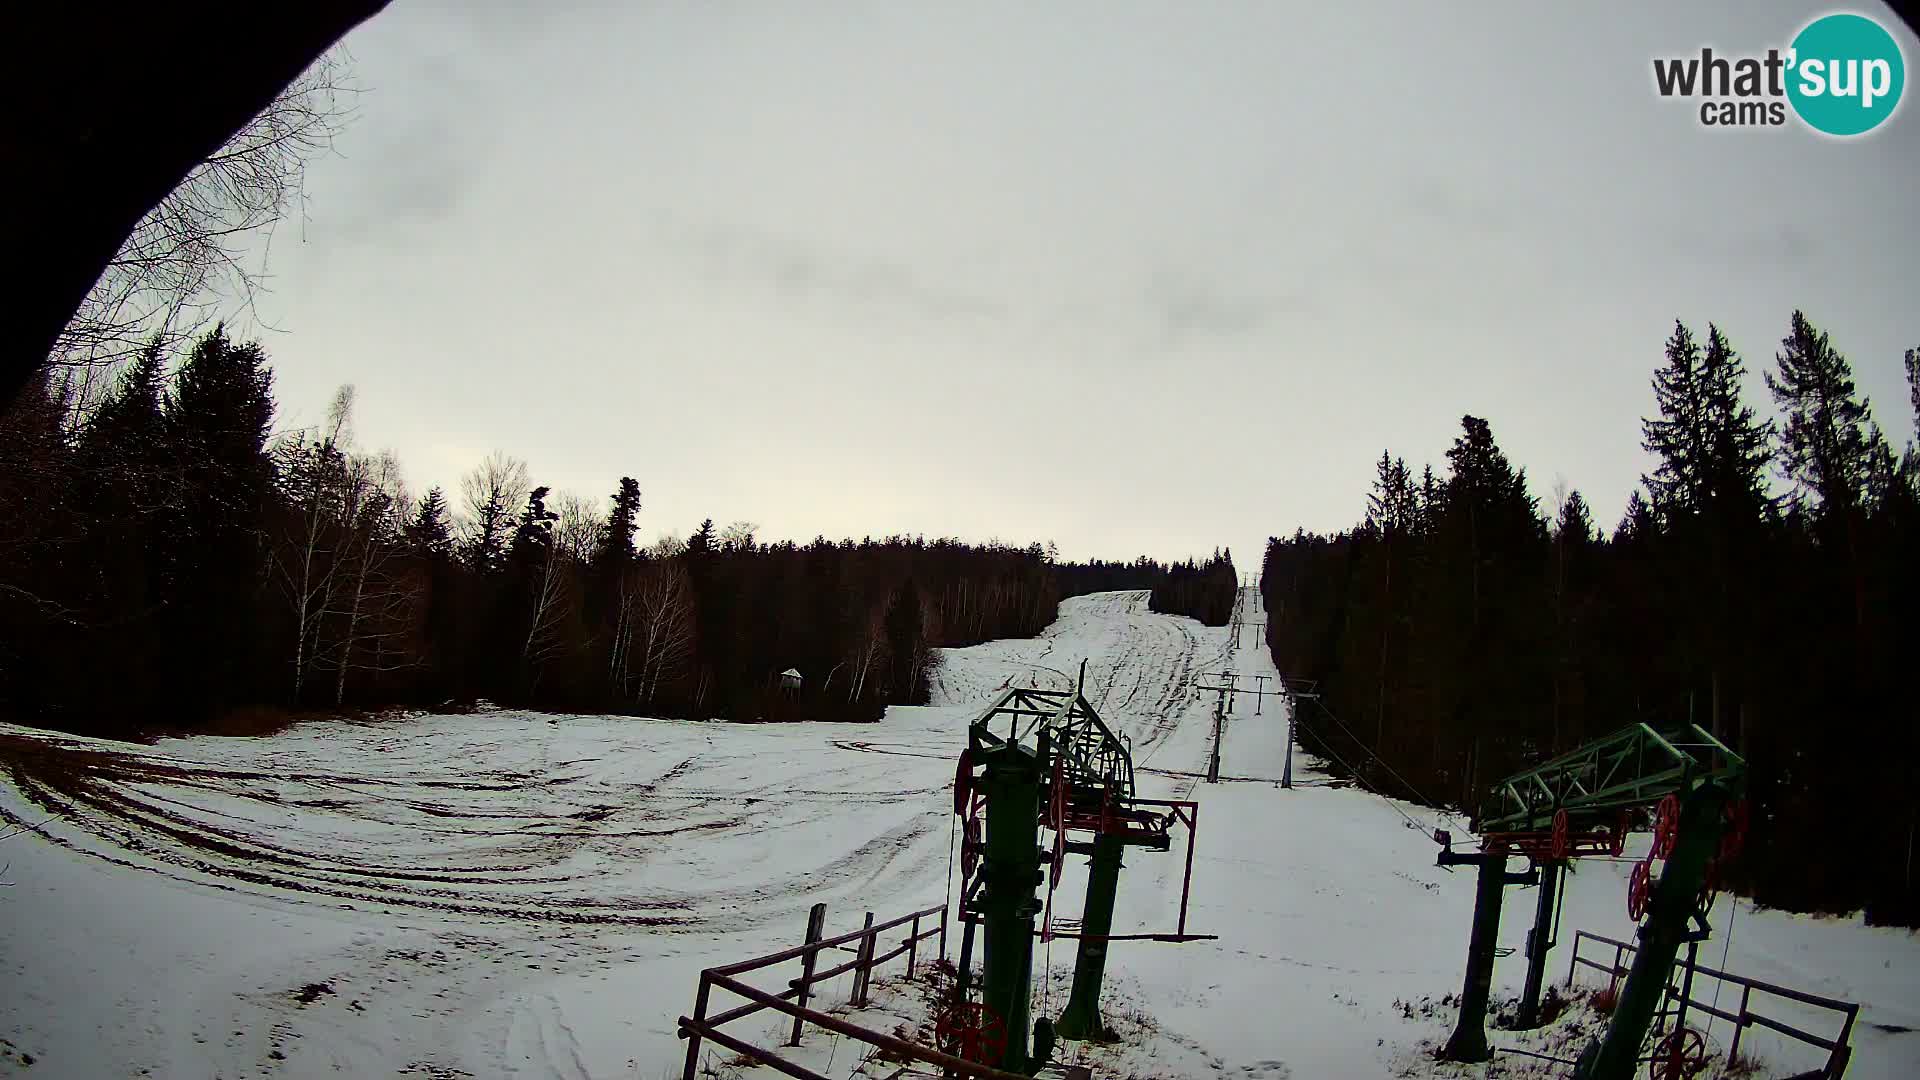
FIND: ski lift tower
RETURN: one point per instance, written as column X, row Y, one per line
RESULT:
column 1045, row 758
column 1583, row 803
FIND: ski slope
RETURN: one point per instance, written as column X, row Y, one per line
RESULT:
column 515, row 894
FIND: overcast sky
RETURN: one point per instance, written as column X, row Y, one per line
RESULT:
column 1137, row 278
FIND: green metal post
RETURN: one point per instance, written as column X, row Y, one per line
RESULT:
column 1665, row 930
column 1081, row 1018
column 1539, row 941
column 1010, row 872
column 1469, row 1040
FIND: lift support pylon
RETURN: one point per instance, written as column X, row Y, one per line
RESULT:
column 1045, row 758
column 1583, row 803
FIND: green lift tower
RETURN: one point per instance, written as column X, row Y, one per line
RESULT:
column 1583, row 803
column 1044, row 759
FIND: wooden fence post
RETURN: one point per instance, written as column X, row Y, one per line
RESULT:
column 693, row 1037
column 863, row 965
column 913, row 945
column 816, row 924
column 943, row 932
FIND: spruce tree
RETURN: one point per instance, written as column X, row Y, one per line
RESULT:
column 1574, row 524
column 1638, row 523
column 217, row 420
column 1678, row 484
column 1827, row 444
column 1737, row 444
column 616, row 542
column 429, row 535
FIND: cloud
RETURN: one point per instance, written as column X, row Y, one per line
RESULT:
column 747, row 257
column 1186, row 307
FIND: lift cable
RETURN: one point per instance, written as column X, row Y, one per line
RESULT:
column 1358, row 778
column 1422, row 799
column 1733, row 909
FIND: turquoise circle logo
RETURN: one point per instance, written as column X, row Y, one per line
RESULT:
column 1847, row 74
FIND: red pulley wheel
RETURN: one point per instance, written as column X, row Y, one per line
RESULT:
column 1638, row 886
column 1561, row 840
column 971, row 1031
column 970, row 847
column 963, row 782
column 1666, row 826
column 1679, row 1055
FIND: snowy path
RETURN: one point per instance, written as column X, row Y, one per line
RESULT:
column 510, row 894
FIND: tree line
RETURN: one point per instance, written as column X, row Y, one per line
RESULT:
column 1200, row 590
column 166, row 558
column 1461, row 633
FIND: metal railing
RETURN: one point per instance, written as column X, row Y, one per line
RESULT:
column 1839, row 1048
column 865, row 947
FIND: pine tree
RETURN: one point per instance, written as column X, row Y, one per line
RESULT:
column 1574, row 523
column 701, row 542
column 616, row 545
column 533, row 538
column 1737, row 445
column 1827, row 445
column 1391, row 506
column 1638, row 523
column 429, row 534
column 217, row 419
column 1678, row 484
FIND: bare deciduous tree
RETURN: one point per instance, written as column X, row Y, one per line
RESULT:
column 191, row 251
column 577, row 530
column 313, row 478
column 738, row 536
column 492, row 494
column 870, row 647
column 663, row 599
column 376, row 604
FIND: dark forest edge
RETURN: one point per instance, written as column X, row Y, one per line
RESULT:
column 1461, row 635
column 1204, row 591
column 167, row 562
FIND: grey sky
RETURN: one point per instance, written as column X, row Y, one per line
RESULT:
column 1133, row 277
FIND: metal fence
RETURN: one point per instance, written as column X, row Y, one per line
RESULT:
column 865, row 944
column 1839, row 1048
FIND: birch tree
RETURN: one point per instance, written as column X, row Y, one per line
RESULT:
column 313, row 479
column 376, row 604
column 663, row 600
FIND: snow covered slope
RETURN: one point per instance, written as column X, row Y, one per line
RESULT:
column 509, row 894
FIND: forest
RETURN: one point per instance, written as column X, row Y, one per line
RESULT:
column 1761, row 582
column 1200, row 590
column 169, row 561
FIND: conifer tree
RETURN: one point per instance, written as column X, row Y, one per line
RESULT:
column 616, row 545
column 1678, row 484
column 1826, row 446
column 429, row 534
column 217, row 419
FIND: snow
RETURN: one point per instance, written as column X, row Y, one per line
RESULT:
column 516, row 894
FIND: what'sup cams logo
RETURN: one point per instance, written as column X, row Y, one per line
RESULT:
column 1842, row 75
